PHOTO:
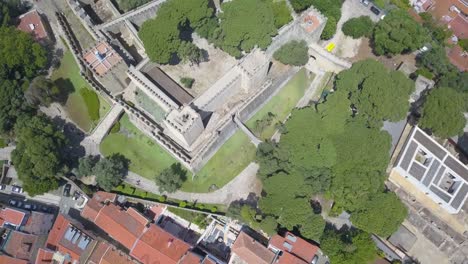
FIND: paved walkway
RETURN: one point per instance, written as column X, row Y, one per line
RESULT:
column 238, row 188
column 5, row 153
column 247, row 131
column 91, row 143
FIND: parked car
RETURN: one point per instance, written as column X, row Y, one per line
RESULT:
column 314, row 260
column 76, row 195
column 34, row 207
column 375, row 10
column 27, row 206
column 364, row 2
column 66, row 190
column 12, row 202
column 44, row 209
column 2, row 186
column 17, row 189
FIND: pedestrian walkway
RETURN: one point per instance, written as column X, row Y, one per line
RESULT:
column 91, row 143
column 5, row 153
column 239, row 188
column 256, row 141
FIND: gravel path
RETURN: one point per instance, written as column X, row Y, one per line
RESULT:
column 239, row 188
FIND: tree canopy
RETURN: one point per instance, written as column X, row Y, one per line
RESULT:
column 126, row 5
column 12, row 104
column 358, row 27
column 171, row 178
column 38, row 157
column 348, row 247
column 20, row 54
column 376, row 93
column 245, row 24
column 442, row 112
column 293, row 53
column 42, row 91
column 161, row 36
column 397, row 33
column 110, row 171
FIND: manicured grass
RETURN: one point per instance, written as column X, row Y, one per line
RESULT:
column 2, row 143
column 92, row 103
column 67, row 77
column 280, row 105
column 146, row 157
column 148, row 104
column 224, row 166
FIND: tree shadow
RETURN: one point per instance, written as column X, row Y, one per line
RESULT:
column 66, row 88
column 179, row 170
column 72, row 150
column 122, row 160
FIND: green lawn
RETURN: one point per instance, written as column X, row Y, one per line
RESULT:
column 226, row 164
column 280, row 105
column 80, row 104
column 146, row 157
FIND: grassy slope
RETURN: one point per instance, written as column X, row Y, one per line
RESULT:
column 281, row 104
column 68, row 77
column 147, row 158
column 226, row 164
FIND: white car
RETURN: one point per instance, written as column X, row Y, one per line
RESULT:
column 16, row 189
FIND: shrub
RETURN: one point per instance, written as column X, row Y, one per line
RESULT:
column 463, row 43
column 214, row 209
column 183, row 204
column 115, row 128
column 293, row 53
column 358, row 27
column 187, row 82
column 329, row 30
column 425, row 72
column 92, row 103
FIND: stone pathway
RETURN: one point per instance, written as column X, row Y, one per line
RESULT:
column 5, row 153
column 239, row 188
column 247, row 131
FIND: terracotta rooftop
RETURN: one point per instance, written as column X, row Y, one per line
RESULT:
column 31, row 22
column 157, row 210
column 294, row 245
column 442, row 8
column 39, row 223
column 119, row 224
column 44, row 256
column 9, row 260
column 191, row 258
column 20, row 245
column 12, row 216
column 458, row 57
column 158, row 246
column 104, row 253
column 459, row 26
column 68, row 239
column 251, row 251
column 95, row 204
column 102, row 58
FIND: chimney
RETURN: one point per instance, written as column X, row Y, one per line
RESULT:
column 169, row 242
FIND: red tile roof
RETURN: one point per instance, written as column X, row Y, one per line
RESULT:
column 122, row 226
column 459, row 58
column 31, row 22
column 159, row 246
column 8, row 260
column 96, row 203
column 297, row 246
column 20, row 245
column 459, row 27
column 104, row 253
column 191, row 258
column 12, row 216
column 56, row 241
column 157, row 210
column 251, row 251
column 44, row 256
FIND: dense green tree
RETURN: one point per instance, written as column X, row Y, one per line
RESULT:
column 245, row 24
column 161, row 36
column 190, row 52
column 436, row 60
column 126, row 5
column 376, row 93
column 439, row 33
column 348, row 247
column 38, row 155
column 300, row 5
column 20, row 54
column 269, row 225
column 42, row 91
column 171, row 178
column 329, row 29
column 293, row 53
column 12, row 104
column 358, row 27
column 442, row 112
column 10, row 9
column 281, row 13
column 372, row 219
column 456, row 80
column 110, row 171
column 86, row 166
column 397, row 33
